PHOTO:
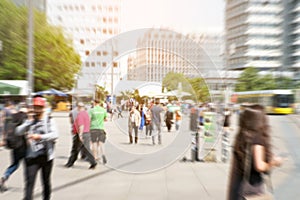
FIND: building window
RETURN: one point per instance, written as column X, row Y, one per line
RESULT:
column 93, row 64
column 81, row 41
column 116, row 8
column 87, row 64
column 98, row 53
column 87, row 52
column 115, row 64
column 104, row 53
column 104, row 64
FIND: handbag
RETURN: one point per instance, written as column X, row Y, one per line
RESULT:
column 261, row 191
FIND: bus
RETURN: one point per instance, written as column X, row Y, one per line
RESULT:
column 275, row 101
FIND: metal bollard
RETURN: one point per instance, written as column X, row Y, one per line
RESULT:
column 225, row 146
column 195, row 146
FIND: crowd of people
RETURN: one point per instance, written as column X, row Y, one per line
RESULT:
column 36, row 131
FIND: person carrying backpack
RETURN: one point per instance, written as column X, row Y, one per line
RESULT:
column 16, row 143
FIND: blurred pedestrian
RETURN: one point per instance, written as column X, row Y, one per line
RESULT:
column 41, row 136
column 142, row 114
column 156, row 111
column 7, row 112
column 169, row 119
column 98, row 135
column 253, row 140
column 18, row 148
column 134, row 121
column 81, row 126
column 178, row 118
column 148, row 121
column 119, row 110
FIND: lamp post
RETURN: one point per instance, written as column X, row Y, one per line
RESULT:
column 30, row 52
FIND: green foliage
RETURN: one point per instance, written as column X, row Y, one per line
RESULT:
column 101, row 93
column 199, row 89
column 248, row 80
column 172, row 79
column 55, row 60
column 195, row 86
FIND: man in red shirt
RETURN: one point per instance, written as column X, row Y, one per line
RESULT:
column 81, row 126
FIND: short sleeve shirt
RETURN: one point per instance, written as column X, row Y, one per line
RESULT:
column 82, row 119
column 156, row 110
column 97, row 115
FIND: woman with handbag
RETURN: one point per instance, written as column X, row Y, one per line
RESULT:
column 252, row 156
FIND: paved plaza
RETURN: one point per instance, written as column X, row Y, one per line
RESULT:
column 146, row 171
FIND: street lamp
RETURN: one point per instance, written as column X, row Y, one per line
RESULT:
column 30, row 52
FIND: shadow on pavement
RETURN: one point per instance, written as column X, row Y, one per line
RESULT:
column 79, row 181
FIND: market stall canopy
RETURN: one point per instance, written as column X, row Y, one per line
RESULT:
column 52, row 92
column 7, row 89
column 13, row 88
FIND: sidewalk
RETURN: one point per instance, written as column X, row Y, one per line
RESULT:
column 176, row 180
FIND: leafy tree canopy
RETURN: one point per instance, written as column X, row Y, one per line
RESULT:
column 250, row 80
column 55, row 60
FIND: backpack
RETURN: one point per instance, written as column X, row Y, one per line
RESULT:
column 12, row 140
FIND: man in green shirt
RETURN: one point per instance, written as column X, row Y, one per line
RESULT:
column 98, row 136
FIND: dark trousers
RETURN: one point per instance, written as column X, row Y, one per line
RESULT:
column 149, row 129
column 76, row 148
column 169, row 124
column 33, row 165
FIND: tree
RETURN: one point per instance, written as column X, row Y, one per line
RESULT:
column 266, row 82
column 248, row 80
column 199, row 89
column 283, row 82
column 195, row 86
column 55, row 60
column 172, row 79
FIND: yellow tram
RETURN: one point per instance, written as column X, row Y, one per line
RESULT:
column 275, row 101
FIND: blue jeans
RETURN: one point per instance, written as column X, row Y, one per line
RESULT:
column 16, row 156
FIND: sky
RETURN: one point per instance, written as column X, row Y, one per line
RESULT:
column 180, row 15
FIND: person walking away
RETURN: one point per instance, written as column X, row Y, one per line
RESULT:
column 7, row 112
column 178, row 118
column 169, row 119
column 142, row 114
column 81, row 126
column 98, row 115
column 253, row 137
column 156, row 111
column 41, row 135
column 148, row 121
column 73, row 115
column 119, row 109
column 134, row 121
column 18, row 146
